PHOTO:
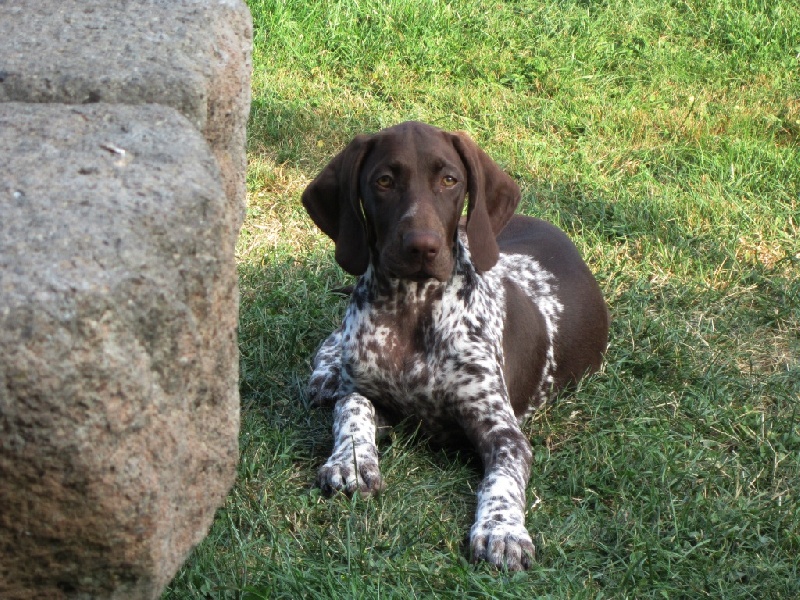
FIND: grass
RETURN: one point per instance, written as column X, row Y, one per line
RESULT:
column 664, row 137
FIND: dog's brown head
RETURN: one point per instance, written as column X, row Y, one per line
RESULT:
column 398, row 195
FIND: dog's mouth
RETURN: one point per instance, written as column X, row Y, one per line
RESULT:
column 422, row 275
column 420, row 270
column 418, row 275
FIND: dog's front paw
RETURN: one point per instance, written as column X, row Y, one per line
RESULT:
column 504, row 545
column 347, row 473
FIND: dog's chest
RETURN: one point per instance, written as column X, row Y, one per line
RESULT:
column 396, row 349
column 412, row 353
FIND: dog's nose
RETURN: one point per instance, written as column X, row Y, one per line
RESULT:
column 422, row 244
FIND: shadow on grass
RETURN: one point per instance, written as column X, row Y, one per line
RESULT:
column 294, row 131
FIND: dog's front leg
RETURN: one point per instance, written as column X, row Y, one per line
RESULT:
column 353, row 465
column 325, row 383
column 499, row 535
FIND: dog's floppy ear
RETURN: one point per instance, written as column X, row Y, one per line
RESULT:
column 493, row 197
column 333, row 203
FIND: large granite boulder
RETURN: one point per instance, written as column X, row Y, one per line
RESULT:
column 122, row 170
column 118, row 298
column 192, row 55
column 118, row 377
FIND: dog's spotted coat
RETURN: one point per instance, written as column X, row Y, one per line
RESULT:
column 434, row 348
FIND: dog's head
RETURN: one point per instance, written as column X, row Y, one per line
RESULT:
column 397, row 196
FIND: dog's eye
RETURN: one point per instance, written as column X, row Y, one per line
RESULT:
column 384, row 181
column 449, row 181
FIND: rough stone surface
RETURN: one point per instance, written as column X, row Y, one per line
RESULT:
column 118, row 378
column 192, row 55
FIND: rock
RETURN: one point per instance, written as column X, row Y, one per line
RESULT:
column 118, row 380
column 192, row 55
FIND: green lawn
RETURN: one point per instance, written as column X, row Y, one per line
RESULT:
column 664, row 137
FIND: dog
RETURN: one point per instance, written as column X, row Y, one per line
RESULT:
column 463, row 324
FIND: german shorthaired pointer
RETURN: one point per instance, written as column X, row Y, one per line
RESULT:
column 463, row 324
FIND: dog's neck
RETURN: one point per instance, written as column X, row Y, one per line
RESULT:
column 377, row 287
